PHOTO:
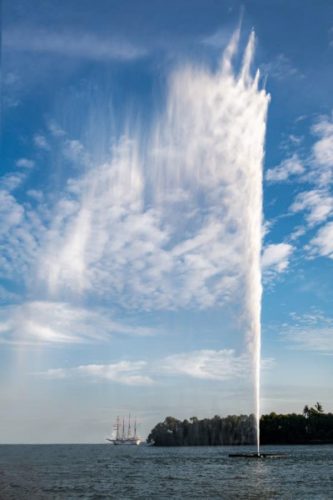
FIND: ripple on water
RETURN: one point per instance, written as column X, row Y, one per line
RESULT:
column 101, row 471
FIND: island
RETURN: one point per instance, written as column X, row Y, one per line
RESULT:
column 313, row 426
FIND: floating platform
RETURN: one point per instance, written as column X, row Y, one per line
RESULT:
column 257, row 455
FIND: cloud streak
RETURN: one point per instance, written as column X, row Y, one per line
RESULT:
column 322, row 243
column 311, row 339
column 41, row 322
column 290, row 167
column 275, row 258
column 310, row 332
column 208, row 364
column 205, row 364
column 318, row 203
column 123, row 372
column 84, row 46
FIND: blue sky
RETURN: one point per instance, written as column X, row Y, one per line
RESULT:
column 123, row 260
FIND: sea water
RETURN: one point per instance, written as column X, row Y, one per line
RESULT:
column 141, row 472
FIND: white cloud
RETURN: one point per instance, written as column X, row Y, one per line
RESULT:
column 296, row 140
column 41, row 142
column 20, row 232
column 74, row 151
column 126, row 372
column 10, row 182
column 208, row 364
column 311, row 339
column 218, row 40
column 323, row 148
column 281, row 68
column 123, row 372
column 322, row 243
column 320, row 160
column 55, row 129
column 6, row 295
column 35, row 194
column 25, row 163
column 297, row 233
column 276, row 256
column 10, row 78
column 313, row 319
column 204, row 364
column 309, row 332
column 290, row 167
column 11, row 212
column 86, row 45
column 58, row 322
column 318, row 203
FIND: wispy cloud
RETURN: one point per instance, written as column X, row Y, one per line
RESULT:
column 281, row 68
column 275, row 258
column 311, row 339
column 204, row 364
column 208, row 364
column 57, row 322
column 322, row 151
column 25, row 163
column 11, row 181
column 297, row 233
column 330, row 34
column 218, row 40
column 11, row 212
column 316, row 166
column 7, row 296
column 88, row 46
column 322, row 243
column 309, row 332
column 20, row 233
column 317, row 203
column 41, row 142
column 288, row 168
column 123, row 372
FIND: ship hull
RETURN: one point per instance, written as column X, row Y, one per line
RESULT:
column 125, row 442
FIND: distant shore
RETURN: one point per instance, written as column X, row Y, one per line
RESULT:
column 311, row 427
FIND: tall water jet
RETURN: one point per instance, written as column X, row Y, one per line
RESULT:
column 211, row 146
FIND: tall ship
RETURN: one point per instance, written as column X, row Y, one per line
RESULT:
column 122, row 433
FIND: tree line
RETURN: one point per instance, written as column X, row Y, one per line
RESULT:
column 310, row 427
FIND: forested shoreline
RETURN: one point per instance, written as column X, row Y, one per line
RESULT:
column 313, row 426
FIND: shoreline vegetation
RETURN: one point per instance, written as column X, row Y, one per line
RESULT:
column 313, row 426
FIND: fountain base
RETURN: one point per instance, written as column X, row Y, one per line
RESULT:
column 257, row 455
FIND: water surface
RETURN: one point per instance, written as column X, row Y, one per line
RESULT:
column 104, row 471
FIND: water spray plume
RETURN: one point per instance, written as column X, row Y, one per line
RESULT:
column 211, row 146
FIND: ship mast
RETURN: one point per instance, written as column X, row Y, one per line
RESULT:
column 117, row 428
column 123, row 433
column 129, row 426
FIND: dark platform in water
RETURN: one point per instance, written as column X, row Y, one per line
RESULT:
column 257, row 455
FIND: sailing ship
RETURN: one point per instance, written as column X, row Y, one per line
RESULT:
column 122, row 433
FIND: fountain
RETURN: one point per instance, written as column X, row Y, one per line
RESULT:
column 210, row 147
